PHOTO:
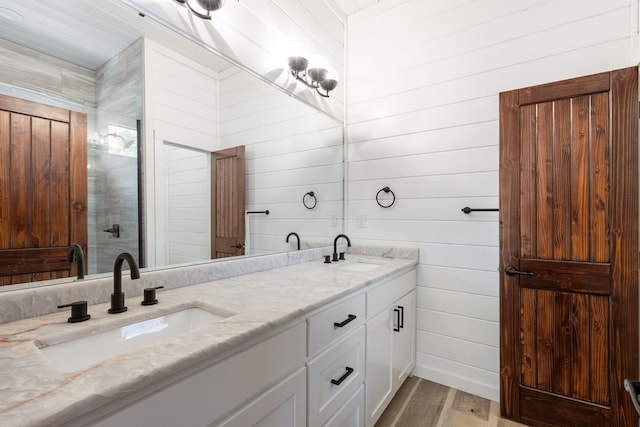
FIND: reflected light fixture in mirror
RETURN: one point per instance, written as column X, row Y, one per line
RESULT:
column 314, row 73
column 202, row 8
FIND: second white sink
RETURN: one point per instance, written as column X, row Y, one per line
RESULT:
column 80, row 353
column 359, row 266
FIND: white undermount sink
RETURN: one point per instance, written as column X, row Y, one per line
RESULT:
column 358, row 266
column 80, row 353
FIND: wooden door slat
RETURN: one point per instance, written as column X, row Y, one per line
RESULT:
column 599, row 170
column 579, row 183
column 60, row 193
column 5, row 175
column 567, row 276
column 563, row 412
column 562, row 343
column 528, row 322
column 528, row 218
column 20, row 202
column 544, row 336
column 510, row 247
column 33, row 260
column 34, row 109
column 544, row 183
column 599, row 362
column 565, row 89
column 561, row 178
column 40, row 183
column 580, row 346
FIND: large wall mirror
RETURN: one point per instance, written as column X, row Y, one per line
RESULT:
column 157, row 106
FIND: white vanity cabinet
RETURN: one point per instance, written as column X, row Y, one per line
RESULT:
column 265, row 384
column 390, row 335
column 338, row 367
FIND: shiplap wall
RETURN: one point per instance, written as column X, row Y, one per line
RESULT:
column 259, row 35
column 180, row 108
column 290, row 149
column 188, row 191
column 423, row 78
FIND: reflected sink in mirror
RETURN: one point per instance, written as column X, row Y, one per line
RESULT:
column 359, row 266
column 80, row 353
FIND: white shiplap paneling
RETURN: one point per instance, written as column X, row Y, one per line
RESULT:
column 188, row 192
column 261, row 34
column 422, row 117
column 290, row 149
column 180, row 108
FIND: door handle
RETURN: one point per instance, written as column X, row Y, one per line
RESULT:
column 511, row 271
column 238, row 246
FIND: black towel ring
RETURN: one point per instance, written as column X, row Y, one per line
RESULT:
column 309, row 200
column 386, row 190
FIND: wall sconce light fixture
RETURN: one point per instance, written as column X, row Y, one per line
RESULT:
column 202, row 8
column 316, row 76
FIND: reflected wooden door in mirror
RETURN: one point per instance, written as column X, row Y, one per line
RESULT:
column 43, row 190
column 227, row 202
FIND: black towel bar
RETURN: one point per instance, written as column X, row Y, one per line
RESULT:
column 468, row 210
column 258, row 212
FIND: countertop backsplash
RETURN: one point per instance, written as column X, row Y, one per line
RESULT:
column 38, row 299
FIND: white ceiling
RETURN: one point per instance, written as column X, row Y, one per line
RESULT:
column 89, row 33
column 352, row 6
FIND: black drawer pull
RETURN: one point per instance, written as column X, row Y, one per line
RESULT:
column 401, row 321
column 351, row 318
column 343, row 377
column 396, row 326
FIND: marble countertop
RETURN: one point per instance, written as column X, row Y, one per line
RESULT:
column 33, row 392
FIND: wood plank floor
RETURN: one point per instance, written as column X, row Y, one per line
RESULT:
column 422, row 403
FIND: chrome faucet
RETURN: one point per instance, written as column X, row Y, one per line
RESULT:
column 76, row 255
column 117, row 297
column 335, row 246
column 297, row 237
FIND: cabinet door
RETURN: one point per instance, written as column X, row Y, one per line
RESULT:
column 404, row 339
column 281, row 406
column 379, row 379
column 351, row 414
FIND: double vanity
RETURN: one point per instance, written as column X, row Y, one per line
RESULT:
column 275, row 340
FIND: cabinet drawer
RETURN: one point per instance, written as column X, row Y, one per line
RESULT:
column 335, row 322
column 381, row 296
column 342, row 363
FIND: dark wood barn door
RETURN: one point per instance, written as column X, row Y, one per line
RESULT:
column 569, row 251
column 43, row 190
column 227, row 202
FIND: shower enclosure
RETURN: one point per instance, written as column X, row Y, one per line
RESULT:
column 114, row 211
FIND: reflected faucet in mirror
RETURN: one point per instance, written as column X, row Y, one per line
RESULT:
column 76, row 255
column 117, row 297
column 335, row 246
column 297, row 237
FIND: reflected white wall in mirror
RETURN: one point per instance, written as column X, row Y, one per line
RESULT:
column 292, row 148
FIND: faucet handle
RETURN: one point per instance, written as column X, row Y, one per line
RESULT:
column 150, row 296
column 78, row 311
